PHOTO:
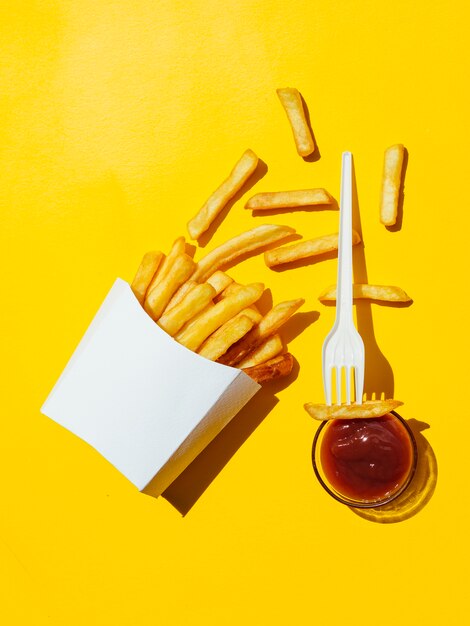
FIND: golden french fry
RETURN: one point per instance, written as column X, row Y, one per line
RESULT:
column 217, row 315
column 369, row 408
column 391, row 183
column 288, row 199
column 253, row 313
column 272, row 369
column 231, row 289
column 385, row 293
column 180, row 294
column 179, row 271
column 178, row 247
column 271, row 347
column 242, row 171
column 192, row 303
column 221, row 340
column 305, row 249
column 147, row 269
column 249, row 241
column 269, row 324
column 193, row 320
column 220, row 281
column 293, row 106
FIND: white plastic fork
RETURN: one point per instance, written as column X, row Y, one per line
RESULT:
column 343, row 346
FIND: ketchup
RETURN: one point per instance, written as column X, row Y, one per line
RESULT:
column 366, row 459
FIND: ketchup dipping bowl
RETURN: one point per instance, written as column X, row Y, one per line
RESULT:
column 365, row 462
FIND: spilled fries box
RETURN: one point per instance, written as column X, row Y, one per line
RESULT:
column 142, row 400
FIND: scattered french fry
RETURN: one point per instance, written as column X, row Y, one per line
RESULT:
column 249, row 241
column 145, row 273
column 242, row 171
column 178, row 247
column 220, row 313
column 271, row 347
column 179, row 271
column 289, row 199
column 220, row 341
column 275, row 368
column 270, row 323
column 391, row 183
column 369, row 408
column 192, row 303
column 293, row 106
column 385, row 293
column 305, row 249
column 220, row 281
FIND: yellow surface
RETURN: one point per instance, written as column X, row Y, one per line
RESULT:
column 118, row 118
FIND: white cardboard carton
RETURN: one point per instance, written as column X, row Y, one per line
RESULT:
column 145, row 402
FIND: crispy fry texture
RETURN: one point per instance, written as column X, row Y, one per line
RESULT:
column 293, row 106
column 220, row 281
column 271, row 370
column 193, row 303
column 296, row 199
column 391, row 183
column 209, row 322
column 220, row 341
column 145, row 273
column 305, row 249
column 241, row 172
column 369, row 408
column 268, row 349
column 269, row 324
column 249, row 241
column 178, row 247
column 180, row 294
column 385, row 293
column 158, row 298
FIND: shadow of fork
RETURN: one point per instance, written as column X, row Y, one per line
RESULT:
column 378, row 376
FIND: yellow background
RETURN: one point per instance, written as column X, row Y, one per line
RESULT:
column 117, row 119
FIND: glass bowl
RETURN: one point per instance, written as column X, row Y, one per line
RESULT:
column 365, row 463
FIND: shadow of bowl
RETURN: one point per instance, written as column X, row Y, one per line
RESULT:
column 418, row 493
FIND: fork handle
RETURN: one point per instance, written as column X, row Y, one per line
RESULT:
column 344, row 292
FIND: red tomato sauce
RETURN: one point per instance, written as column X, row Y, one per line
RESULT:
column 366, row 459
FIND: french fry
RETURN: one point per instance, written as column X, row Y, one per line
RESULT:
column 242, row 171
column 220, row 341
column 220, row 281
column 145, row 273
column 179, row 271
column 270, row 323
column 385, row 293
column 180, row 294
column 288, row 199
column 253, row 313
column 369, row 408
column 178, row 247
column 220, row 313
column 293, row 106
column 193, row 321
column 391, row 183
column 271, row 347
column 305, row 249
column 249, row 241
column 192, row 303
column 272, row 369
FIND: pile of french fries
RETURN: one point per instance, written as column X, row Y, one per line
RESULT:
column 206, row 311
column 201, row 306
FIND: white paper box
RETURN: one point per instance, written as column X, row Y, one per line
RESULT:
column 145, row 402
